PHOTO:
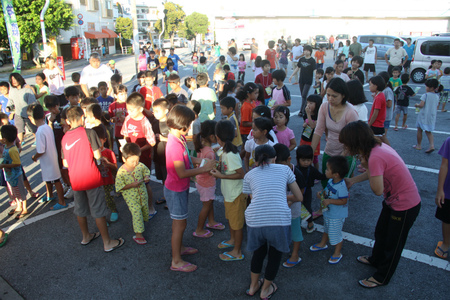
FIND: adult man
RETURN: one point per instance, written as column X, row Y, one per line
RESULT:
column 356, row 47
column 396, row 55
column 370, row 59
column 297, row 53
column 175, row 58
column 336, row 47
column 254, row 51
column 94, row 73
column 409, row 48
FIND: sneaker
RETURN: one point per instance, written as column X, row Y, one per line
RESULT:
column 114, row 217
column 65, row 187
column 34, row 144
column 69, row 194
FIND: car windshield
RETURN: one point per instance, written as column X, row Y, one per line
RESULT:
column 320, row 38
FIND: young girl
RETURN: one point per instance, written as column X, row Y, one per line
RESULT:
column 433, row 71
column 284, row 53
column 346, row 49
column 249, row 94
column 312, row 110
column 167, row 73
column 260, row 99
column 261, row 136
column 206, row 183
column 329, row 74
column 268, row 217
column 389, row 96
column 228, row 89
column 53, row 75
column 257, row 68
column 176, row 187
column 142, row 61
column 426, row 119
column 194, row 59
column 340, row 48
column 264, row 112
column 241, row 65
column 284, row 134
column 357, row 98
column 378, row 111
column 42, row 90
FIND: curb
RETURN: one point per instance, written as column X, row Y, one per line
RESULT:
column 7, row 292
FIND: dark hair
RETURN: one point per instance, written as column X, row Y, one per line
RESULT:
column 397, row 39
column 358, row 59
column 51, row 101
column 162, row 102
column 308, row 48
column 38, row 112
column 180, row 117
column 102, row 84
column 284, row 110
column 264, row 124
column 74, row 113
column 169, row 63
column 263, row 154
column 86, row 101
column 43, row 77
column 101, row 132
column 95, row 109
column 232, row 50
column 446, row 71
column 258, row 62
column 195, row 106
column 282, row 152
column 248, row 88
column 187, row 82
column 263, row 111
column 222, row 58
column 385, row 76
column 202, row 59
column 207, row 128
column 121, row 88
column 130, row 149
column 371, row 40
column 152, row 52
column 202, row 79
column 228, row 86
column 264, row 63
column 356, row 93
column 141, row 74
column 358, row 139
column 228, row 102
column 241, row 55
column 260, row 94
column 379, row 82
column 4, row 116
column 338, row 164
column 317, row 99
column 345, row 71
column 76, row 77
column 271, row 44
column 18, row 78
column 9, row 132
column 149, row 74
column 319, row 71
column 116, row 78
column 432, row 83
column 305, row 152
column 226, row 68
column 351, row 52
column 173, row 78
column 136, row 99
column 329, row 70
column 172, row 99
column 30, row 108
column 405, row 78
column 279, row 75
column 225, row 132
column 339, row 61
column 396, row 69
column 4, row 84
column 338, row 85
column 71, row 91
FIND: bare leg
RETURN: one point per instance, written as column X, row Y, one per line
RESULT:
column 178, row 227
column 430, row 139
column 397, row 117
column 419, row 138
column 60, row 192
column 405, row 117
column 324, row 240
column 49, row 187
column 204, row 213
column 445, row 237
column 236, row 239
column 108, row 243
column 294, row 256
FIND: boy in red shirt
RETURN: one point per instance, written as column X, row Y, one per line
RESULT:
column 81, row 155
column 118, row 111
column 228, row 74
column 150, row 93
column 265, row 79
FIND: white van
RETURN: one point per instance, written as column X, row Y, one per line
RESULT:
column 426, row 50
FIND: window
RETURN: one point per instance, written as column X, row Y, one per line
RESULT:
column 91, row 26
column 96, row 5
column 388, row 41
column 83, row 2
column 435, row 48
column 364, row 39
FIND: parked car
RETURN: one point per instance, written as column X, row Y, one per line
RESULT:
column 426, row 50
column 381, row 42
column 343, row 36
column 321, row 40
column 442, row 34
column 246, row 44
column 178, row 42
column 166, row 44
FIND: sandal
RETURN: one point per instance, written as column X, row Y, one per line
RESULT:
column 218, row 226
column 140, row 241
column 369, row 280
column 35, row 195
column 13, row 211
column 260, row 283
column 161, row 201
column 20, row 216
column 395, row 128
column 364, row 259
column 444, row 254
column 429, row 151
column 189, row 251
column 274, row 289
column 184, row 268
column 415, row 147
column 207, row 234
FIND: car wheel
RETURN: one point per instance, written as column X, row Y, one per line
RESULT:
column 418, row 76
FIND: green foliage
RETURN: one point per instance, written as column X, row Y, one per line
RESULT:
column 173, row 21
column 125, row 27
column 58, row 17
column 196, row 23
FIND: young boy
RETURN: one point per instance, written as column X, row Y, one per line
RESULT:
column 150, row 93
column 94, row 115
column 219, row 74
column 191, row 84
column 118, row 111
column 72, row 95
column 402, row 95
column 227, row 106
column 201, row 68
column 445, row 82
column 339, row 67
column 207, row 98
column 318, row 81
column 76, row 82
column 350, row 58
column 47, row 156
column 163, row 59
column 280, row 93
column 153, row 66
column 228, row 75
column 395, row 80
column 4, row 94
column 357, row 62
column 265, row 79
column 104, row 100
column 137, row 129
column 335, row 198
column 370, row 59
column 320, row 57
column 81, row 155
column 174, row 82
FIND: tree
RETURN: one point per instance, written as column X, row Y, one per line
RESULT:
column 124, row 26
column 58, row 17
column 196, row 23
column 173, row 21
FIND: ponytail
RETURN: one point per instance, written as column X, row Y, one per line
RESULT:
column 264, row 124
column 225, row 132
column 206, row 130
column 228, row 86
column 263, row 155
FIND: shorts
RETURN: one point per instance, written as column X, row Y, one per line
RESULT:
column 283, row 66
column 444, row 96
column 407, row 64
column 369, row 67
column 378, row 131
column 177, row 202
column 206, row 193
column 91, row 202
column 296, row 230
column 399, row 109
column 21, row 122
column 253, row 56
column 443, row 213
column 53, row 181
column 387, row 124
column 333, row 227
column 278, row 237
column 235, row 212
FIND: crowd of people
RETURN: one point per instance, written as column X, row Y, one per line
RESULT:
column 95, row 140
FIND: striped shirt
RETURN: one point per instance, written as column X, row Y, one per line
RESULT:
column 269, row 203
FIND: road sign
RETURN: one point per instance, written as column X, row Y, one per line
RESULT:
column 80, row 16
column 80, row 22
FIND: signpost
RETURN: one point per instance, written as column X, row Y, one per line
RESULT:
column 13, row 34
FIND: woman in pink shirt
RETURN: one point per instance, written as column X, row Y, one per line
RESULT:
column 388, row 176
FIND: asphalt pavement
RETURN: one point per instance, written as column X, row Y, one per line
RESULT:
column 43, row 258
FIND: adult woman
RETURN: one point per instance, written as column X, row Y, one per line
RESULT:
column 20, row 96
column 388, row 176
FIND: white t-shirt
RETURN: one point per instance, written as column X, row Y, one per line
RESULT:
column 232, row 62
column 362, row 111
column 296, row 51
column 370, row 55
column 336, row 44
column 250, row 146
column 55, row 82
column 91, row 77
column 343, row 76
column 45, row 143
column 396, row 55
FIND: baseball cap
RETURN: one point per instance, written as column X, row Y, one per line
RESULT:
column 112, row 62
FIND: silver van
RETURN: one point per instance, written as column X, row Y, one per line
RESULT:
column 426, row 50
column 381, row 42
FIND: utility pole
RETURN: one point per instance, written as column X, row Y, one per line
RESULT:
column 135, row 34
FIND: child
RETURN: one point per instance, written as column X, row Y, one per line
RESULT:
column 104, row 100
column 206, row 183
column 231, row 174
column 227, row 106
column 176, row 188
column 402, row 95
column 46, row 154
column 320, row 57
column 93, row 93
column 76, row 82
column 335, row 198
column 228, row 75
column 350, row 57
column 285, row 135
column 370, row 59
column 249, row 93
column 93, row 119
column 357, row 62
column 329, row 74
column 207, row 98
column 150, row 92
column 42, row 90
column 196, row 107
column 268, row 217
column 219, row 74
column 153, row 66
column 4, row 94
column 118, row 111
column 266, row 80
column 194, row 59
column 395, row 80
column 163, row 59
column 241, row 65
column 280, row 93
column 445, row 82
column 318, row 81
column 54, row 78
column 72, row 96
column 142, row 61
column 433, row 71
column 191, row 84
column 174, row 83
column 141, row 82
column 130, row 181
column 264, row 112
column 284, row 54
column 271, row 56
column 344, row 59
column 232, row 59
column 81, row 152
column 257, row 68
column 389, row 96
column 11, row 166
column 339, row 67
column 426, row 119
column 284, row 158
column 202, row 68
column 228, row 90
column 170, row 70
column 261, row 128
column 357, row 98
column 313, row 103
column 378, row 111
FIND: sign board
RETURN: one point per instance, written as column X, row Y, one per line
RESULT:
column 80, row 16
column 80, row 22
column 60, row 63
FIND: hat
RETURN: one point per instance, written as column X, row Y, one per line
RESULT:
column 112, row 62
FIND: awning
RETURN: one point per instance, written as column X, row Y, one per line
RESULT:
column 109, row 32
column 95, row 35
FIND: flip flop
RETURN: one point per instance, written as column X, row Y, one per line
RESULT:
column 231, row 257
column 183, row 268
column 314, row 248
column 161, row 201
column 376, row 284
column 13, row 211
column 96, row 235
column 224, row 245
column 20, row 216
column 429, row 151
column 310, row 229
column 5, row 237
column 150, row 216
column 207, row 234
column 140, row 241
column 35, row 195
column 405, row 127
column 334, row 260
column 293, row 263
column 218, row 226
column 364, row 259
column 121, row 242
column 395, row 128
column 189, row 251
column 444, row 254
column 275, row 288
column 415, row 147
column 58, row 206
column 260, row 283
column 46, row 199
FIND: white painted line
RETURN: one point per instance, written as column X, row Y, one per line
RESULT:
column 423, row 169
